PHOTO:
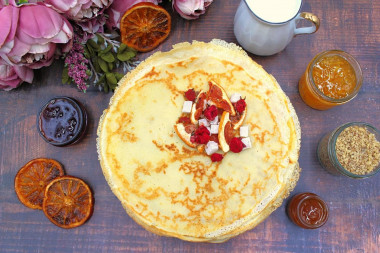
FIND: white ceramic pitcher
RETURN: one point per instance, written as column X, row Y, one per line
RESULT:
column 265, row 27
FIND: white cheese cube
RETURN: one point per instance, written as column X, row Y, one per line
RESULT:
column 235, row 97
column 211, row 147
column 247, row 142
column 187, row 106
column 214, row 129
column 215, row 121
column 244, row 131
column 203, row 122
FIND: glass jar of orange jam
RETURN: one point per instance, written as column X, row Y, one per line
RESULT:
column 332, row 78
column 308, row 210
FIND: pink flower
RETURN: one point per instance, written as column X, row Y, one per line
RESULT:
column 119, row 7
column 31, row 34
column 12, row 76
column 77, row 65
column 80, row 10
column 94, row 25
column 191, row 9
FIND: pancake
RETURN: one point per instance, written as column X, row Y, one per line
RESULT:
column 172, row 189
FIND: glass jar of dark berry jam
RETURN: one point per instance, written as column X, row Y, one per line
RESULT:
column 308, row 210
column 62, row 121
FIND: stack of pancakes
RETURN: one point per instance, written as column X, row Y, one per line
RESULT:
column 174, row 190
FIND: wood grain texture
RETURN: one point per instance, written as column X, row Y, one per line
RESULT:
column 354, row 224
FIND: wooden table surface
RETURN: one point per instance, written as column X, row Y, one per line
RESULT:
column 354, row 223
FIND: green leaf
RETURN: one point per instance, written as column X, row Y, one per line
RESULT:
column 90, row 50
column 22, row 2
column 101, row 79
column 96, row 65
column 108, row 57
column 111, row 79
column 86, row 53
column 105, row 87
column 107, row 49
column 93, row 45
column 119, row 76
column 103, row 65
column 110, row 66
column 88, row 72
column 126, row 55
column 65, row 75
column 100, row 39
column 113, row 87
column 121, row 48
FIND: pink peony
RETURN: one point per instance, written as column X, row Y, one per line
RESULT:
column 31, row 34
column 80, row 10
column 12, row 76
column 191, row 9
column 94, row 25
column 119, row 7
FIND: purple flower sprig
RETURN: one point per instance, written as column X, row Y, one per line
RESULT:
column 76, row 67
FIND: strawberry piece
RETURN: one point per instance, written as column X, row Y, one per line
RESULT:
column 240, row 105
column 236, row 145
column 216, row 157
column 190, row 95
column 201, row 135
column 211, row 112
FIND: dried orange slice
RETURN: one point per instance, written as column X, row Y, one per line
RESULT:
column 68, row 202
column 32, row 179
column 198, row 107
column 144, row 26
column 218, row 97
column 238, row 119
column 225, row 132
column 184, row 133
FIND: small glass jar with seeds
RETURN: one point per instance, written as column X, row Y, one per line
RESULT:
column 352, row 149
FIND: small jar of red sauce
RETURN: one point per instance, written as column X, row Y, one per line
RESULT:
column 62, row 121
column 308, row 210
column 332, row 78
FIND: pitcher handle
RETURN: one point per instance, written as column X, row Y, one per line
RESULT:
column 307, row 30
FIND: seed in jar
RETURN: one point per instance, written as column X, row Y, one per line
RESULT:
column 358, row 150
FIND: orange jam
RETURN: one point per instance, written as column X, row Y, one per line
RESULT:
column 332, row 78
column 308, row 210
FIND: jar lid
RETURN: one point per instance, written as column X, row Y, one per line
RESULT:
column 62, row 121
column 351, row 61
column 308, row 210
column 361, row 153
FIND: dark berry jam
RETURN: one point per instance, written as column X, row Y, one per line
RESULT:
column 62, row 121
